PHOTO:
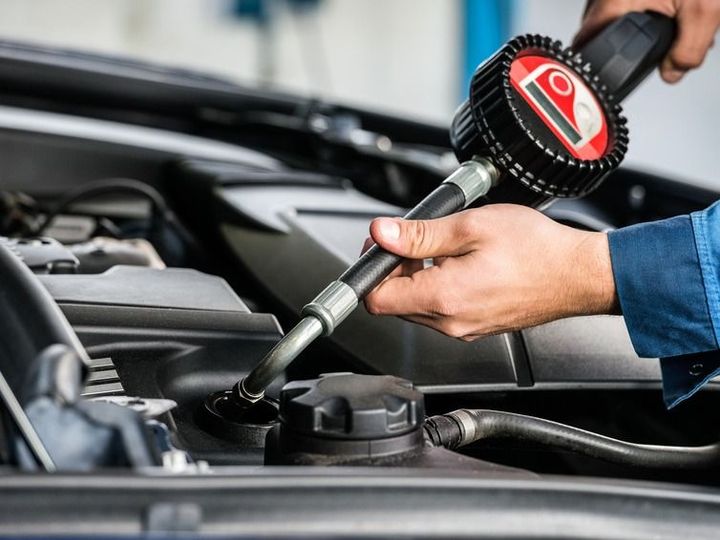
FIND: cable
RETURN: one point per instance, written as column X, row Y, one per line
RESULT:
column 159, row 211
column 466, row 426
column 103, row 187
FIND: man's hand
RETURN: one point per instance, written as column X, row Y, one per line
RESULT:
column 697, row 20
column 496, row 268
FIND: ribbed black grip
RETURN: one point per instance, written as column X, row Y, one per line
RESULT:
column 376, row 263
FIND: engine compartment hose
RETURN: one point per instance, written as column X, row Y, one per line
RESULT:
column 465, row 426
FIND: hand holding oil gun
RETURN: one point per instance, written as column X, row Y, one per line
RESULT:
column 506, row 267
column 541, row 122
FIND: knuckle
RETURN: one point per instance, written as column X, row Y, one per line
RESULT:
column 420, row 234
column 706, row 7
column 444, row 308
column 467, row 224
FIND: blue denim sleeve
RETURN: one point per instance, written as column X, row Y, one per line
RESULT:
column 667, row 276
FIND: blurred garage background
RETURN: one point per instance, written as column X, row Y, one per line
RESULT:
column 410, row 57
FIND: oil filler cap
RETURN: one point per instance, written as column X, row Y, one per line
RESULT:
column 346, row 419
column 347, row 406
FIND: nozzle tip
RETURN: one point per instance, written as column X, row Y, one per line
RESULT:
column 243, row 398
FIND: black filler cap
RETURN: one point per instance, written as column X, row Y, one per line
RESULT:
column 347, row 406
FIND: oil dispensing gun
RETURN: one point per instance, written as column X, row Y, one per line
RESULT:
column 541, row 122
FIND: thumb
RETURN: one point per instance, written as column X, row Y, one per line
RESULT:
column 423, row 239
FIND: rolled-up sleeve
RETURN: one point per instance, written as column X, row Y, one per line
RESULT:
column 667, row 276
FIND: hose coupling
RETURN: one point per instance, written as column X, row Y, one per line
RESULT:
column 332, row 306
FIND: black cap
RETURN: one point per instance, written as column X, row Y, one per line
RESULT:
column 529, row 133
column 352, row 407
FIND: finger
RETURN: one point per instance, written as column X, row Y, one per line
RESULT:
column 588, row 6
column 697, row 24
column 443, row 325
column 367, row 244
column 410, row 266
column 421, row 239
column 597, row 15
column 602, row 12
column 423, row 320
column 407, row 268
column 407, row 296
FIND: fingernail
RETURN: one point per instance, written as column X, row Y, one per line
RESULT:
column 673, row 75
column 389, row 229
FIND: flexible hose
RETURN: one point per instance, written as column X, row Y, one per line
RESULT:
column 466, row 426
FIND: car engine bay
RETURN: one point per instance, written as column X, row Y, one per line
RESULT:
column 159, row 231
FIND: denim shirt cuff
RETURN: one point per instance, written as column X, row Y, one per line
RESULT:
column 685, row 375
column 706, row 228
column 662, row 294
column 660, row 287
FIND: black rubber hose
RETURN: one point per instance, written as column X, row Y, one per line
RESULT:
column 465, row 426
column 376, row 263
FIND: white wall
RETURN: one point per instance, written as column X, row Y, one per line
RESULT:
column 397, row 55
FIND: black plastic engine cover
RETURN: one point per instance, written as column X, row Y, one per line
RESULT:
column 296, row 232
column 174, row 334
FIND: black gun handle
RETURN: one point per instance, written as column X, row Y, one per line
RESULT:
column 625, row 52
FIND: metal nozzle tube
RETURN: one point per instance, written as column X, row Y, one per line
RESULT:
column 252, row 388
column 322, row 315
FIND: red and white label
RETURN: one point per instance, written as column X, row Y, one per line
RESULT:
column 564, row 103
